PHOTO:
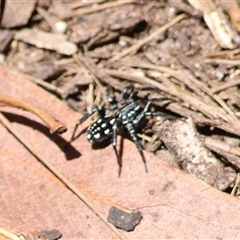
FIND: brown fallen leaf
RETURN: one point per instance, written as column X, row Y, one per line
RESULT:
column 173, row 203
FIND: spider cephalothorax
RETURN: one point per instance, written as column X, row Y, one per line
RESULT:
column 128, row 116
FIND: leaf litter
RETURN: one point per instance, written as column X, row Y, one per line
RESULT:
column 174, row 53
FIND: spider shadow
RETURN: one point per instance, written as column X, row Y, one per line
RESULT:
column 103, row 144
column 69, row 151
column 107, row 142
column 79, row 134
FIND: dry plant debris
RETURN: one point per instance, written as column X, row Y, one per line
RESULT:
column 181, row 139
column 53, row 124
column 218, row 23
column 17, row 14
column 50, row 41
column 187, row 52
column 43, row 235
column 166, row 197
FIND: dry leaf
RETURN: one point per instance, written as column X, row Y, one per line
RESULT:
column 173, row 203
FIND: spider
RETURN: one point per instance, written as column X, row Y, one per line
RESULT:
column 128, row 116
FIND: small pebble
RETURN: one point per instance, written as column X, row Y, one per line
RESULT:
column 2, row 58
column 61, row 26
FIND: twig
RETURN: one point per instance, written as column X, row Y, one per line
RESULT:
column 149, row 38
column 81, row 12
column 49, row 19
column 192, row 83
column 217, row 22
column 77, row 4
column 8, row 235
column 222, row 53
column 85, row 62
column 225, row 86
column 57, row 174
column 216, row 123
column 205, row 108
column 223, row 146
column 230, row 154
column 90, row 96
column 173, row 107
column 218, row 61
column 236, row 185
column 48, row 86
column 53, row 124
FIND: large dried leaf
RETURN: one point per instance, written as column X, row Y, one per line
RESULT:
column 173, row 203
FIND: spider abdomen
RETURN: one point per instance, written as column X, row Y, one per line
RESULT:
column 100, row 130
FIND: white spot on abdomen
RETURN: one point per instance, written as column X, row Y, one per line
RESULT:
column 107, row 131
column 97, row 135
column 112, row 121
column 99, row 120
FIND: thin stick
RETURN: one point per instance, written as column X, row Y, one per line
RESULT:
column 221, row 61
column 53, row 124
column 236, row 185
column 49, row 19
column 87, row 64
column 225, row 86
column 57, row 174
column 44, row 84
column 230, row 117
column 9, row 235
column 149, row 38
column 101, row 7
column 80, row 4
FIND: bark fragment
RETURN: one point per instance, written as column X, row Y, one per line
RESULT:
column 181, row 139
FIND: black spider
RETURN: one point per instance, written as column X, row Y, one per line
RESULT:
column 128, row 116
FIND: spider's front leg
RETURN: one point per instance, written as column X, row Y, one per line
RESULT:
column 132, row 132
column 114, row 143
column 146, row 112
column 125, row 94
column 85, row 117
column 111, row 100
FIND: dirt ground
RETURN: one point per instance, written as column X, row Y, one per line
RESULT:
column 182, row 55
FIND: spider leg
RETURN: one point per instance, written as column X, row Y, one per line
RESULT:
column 112, row 101
column 131, row 130
column 143, row 113
column 114, row 143
column 124, row 94
column 146, row 112
column 132, row 96
column 85, row 117
column 167, row 116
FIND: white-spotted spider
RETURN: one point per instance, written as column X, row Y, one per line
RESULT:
column 128, row 117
